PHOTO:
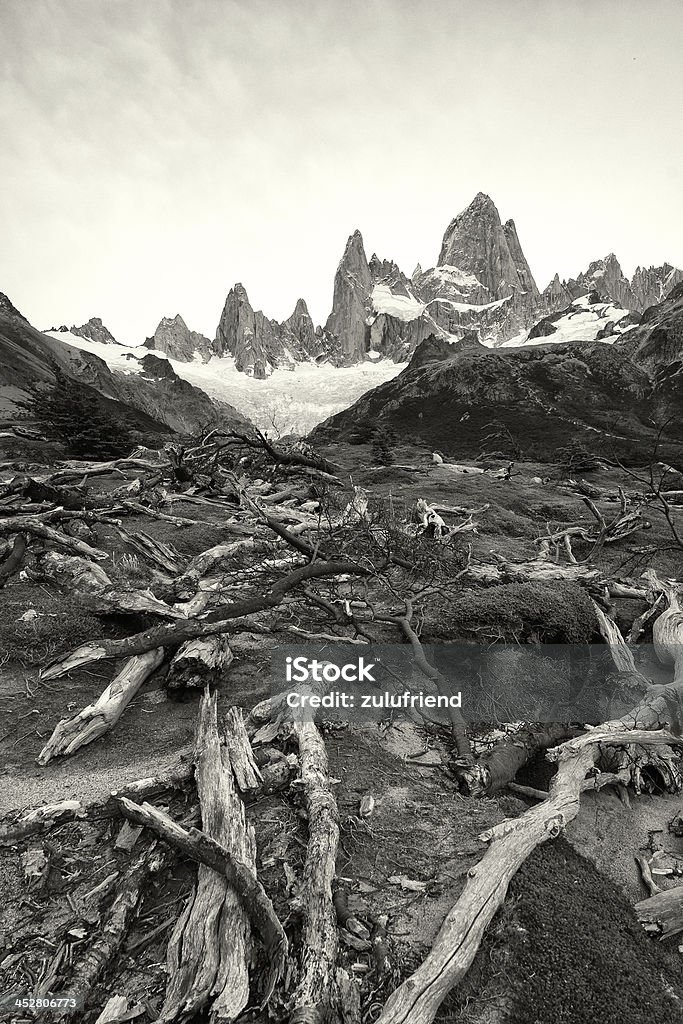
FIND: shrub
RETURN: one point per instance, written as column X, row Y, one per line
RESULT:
column 382, row 447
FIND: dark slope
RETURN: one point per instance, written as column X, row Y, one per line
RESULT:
column 448, row 396
column 157, row 400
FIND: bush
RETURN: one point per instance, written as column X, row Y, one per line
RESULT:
column 552, row 613
column 382, row 444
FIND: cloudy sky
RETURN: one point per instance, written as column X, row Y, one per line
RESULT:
column 156, row 151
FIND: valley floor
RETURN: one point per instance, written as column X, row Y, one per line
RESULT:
column 566, row 947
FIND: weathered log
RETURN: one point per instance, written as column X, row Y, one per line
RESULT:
column 29, row 524
column 240, row 876
column 667, row 630
column 247, row 773
column 103, row 949
column 204, row 563
column 490, row 773
column 417, row 999
column 130, row 601
column 200, row 663
column 14, row 559
column 538, row 570
column 662, row 913
column 317, row 955
column 78, row 574
column 216, row 622
column 209, row 951
column 96, row 719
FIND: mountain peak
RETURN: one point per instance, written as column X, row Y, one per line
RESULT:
column 300, row 309
column 7, row 307
column 94, row 330
column 477, row 243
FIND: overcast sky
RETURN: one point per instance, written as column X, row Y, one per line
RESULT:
column 154, row 152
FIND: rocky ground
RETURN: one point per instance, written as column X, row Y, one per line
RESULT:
column 565, row 947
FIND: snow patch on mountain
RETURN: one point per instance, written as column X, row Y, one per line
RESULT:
column 586, row 320
column 292, row 401
column 403, row 307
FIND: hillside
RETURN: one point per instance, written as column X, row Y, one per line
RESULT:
column 449, row 396
column 155, row 399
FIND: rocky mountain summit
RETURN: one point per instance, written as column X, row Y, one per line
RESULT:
column 648, row 286
column 93, row 330
column 174, row 338
column 481, row 282
column 259, row 345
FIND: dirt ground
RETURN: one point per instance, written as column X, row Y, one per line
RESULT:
column 569, row 908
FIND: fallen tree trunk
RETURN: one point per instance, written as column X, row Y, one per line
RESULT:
column 317, row 957
column 201, row 848
column 490, row 773
column 199, row 663
column 96, row 719
column 537, row 570
column 662, row 914
column 13, row 559
column 104, row 948
column 128, row 601
column 210, row 948
column 216, row 622
column 76, row 573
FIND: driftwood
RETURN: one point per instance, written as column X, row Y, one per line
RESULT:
column 662, row 913
column 215, row 622
column 96, row 719
column 104, row 948
column 201, row 848
column 210, row 948
column 14, row 559
column 199, row 663
column 317, row 955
